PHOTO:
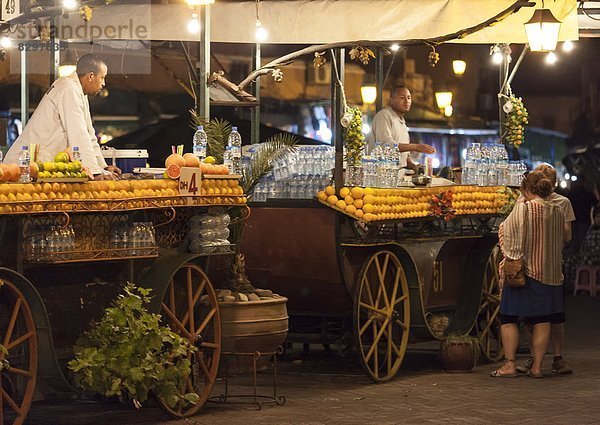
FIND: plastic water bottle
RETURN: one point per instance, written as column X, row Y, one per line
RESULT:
column 76, row 154
column 235, row 141
column 379, row 158
column 228, row 157
column 502, row 163
column 199, row 143
column 24, row 160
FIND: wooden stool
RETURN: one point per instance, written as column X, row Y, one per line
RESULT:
column 587, row 278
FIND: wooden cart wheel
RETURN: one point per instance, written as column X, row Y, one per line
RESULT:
column 487, row 325
column 381, row 315
column 190, row 308
column 18, row 359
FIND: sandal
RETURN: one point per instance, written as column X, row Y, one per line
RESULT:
column 534, row 375
column 498, row 374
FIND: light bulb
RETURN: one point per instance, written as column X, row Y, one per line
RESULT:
column 193, row 25
column 5, row 42
column 261, row 32
column 567, row 46
column 551, row 58
column 448, row 110
column 395, row 47
column 497, row 58
column 70, row 4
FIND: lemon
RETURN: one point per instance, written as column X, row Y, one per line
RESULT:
column 209, row 160
column 61, row 157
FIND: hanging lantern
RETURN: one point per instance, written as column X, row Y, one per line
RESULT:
column 542, row 31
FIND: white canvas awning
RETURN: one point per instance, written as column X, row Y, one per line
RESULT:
column 319, row 21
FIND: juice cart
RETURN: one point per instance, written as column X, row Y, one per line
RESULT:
column 60, row 268
column 380, row 281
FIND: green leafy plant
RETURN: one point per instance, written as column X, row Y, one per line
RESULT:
column 129, row 353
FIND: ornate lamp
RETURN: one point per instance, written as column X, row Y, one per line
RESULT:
column 542, row 30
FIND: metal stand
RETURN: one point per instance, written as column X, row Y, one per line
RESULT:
column 255, row 398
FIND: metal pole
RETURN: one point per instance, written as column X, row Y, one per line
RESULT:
column 337, row 110
column 203, row 66
column 255, row 114
column 502, row 76
column 54, row 51
column 24, row 89
column 379, row 80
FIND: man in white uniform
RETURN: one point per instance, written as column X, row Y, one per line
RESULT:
column 389, row 126
column 62, row 120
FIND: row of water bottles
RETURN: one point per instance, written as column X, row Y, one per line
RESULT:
column 382, row 167
column 486, row 165
column 298, row 175
column 232, row 155
column 48, row 239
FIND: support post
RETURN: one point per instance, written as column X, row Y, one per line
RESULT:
column 54, row 51
column 24, row 89
column 502, row 77
column 379, row 79
column 203, row 65
column 337, row 110
column 255, row 114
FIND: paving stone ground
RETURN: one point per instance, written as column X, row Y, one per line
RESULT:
column 325, row 388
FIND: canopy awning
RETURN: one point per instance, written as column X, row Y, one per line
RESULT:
column 317, row 21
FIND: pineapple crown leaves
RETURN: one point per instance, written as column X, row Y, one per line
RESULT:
column 272, row 150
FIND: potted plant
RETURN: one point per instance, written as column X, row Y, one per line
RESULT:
column 129, row 354
column 459, row 353
column 253, row 320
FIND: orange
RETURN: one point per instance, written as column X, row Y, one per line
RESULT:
column 174, row 171
column 191, row 160
column 344, row 191
column 329, row 190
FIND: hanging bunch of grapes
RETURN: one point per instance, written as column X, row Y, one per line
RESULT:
column 354, row 138
column 516, row 120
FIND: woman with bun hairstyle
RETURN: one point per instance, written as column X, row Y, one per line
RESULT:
column 540, row 301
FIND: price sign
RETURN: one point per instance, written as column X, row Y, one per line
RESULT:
column 10, row 9
column 190, row 181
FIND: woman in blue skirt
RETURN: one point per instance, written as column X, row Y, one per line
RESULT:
column 535, row 232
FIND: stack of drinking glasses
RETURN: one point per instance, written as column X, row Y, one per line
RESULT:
column 137, row 239
column 49, row 242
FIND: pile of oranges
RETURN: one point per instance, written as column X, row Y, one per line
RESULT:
column 373, row 204
column 113, row 195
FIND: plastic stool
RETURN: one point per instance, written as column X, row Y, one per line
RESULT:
column 587, row 278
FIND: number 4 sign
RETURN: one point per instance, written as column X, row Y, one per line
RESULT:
column 190, row 181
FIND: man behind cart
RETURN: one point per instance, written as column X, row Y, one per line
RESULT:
column 62, row 120
column 389, row 127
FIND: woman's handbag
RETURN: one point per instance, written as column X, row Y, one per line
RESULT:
column 514, row 270
column 514, row 273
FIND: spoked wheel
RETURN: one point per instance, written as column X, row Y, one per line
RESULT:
column 487, row 325
column 381, row 315
column 190, row 308
column 18, row 354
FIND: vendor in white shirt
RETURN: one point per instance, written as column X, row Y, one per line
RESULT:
column 389, row 127
column 62, row 120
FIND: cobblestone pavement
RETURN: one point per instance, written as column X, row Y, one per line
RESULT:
column 324, row 388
